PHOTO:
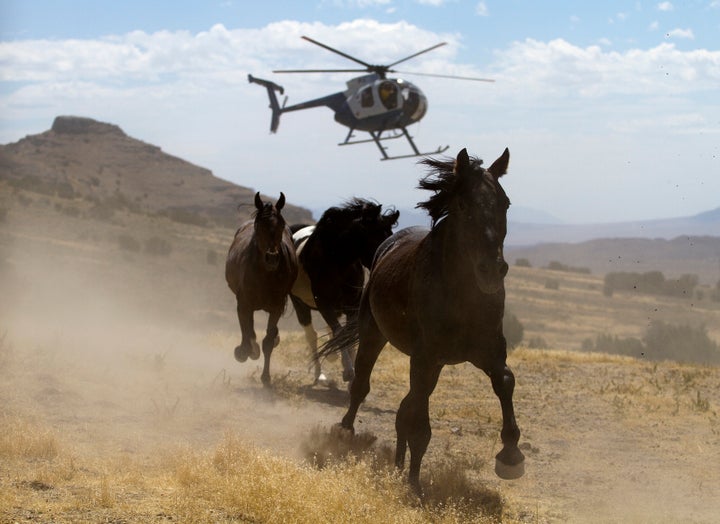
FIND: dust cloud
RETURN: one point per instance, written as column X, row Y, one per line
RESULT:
column 115, row 357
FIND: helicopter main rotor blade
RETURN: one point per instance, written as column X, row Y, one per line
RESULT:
column 319, row 70
column 356, row 60
column 475, row 79
column 418, row 53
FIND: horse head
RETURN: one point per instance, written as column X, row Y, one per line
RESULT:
column 374, row 227
column 473, row 203
column 269, row 229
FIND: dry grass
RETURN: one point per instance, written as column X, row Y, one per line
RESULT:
column 235, row 482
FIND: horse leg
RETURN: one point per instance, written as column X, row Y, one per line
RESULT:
column 268, row 344
column 248, row 344
column 304, row 316
column 372, row 342
column 412, row 423
column 330, row 316
column 510, row 462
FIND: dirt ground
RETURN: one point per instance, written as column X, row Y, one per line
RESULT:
column 607, row 439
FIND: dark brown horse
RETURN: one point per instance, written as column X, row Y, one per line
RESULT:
column 331, row 255
column 438, row 296
column 260, row 269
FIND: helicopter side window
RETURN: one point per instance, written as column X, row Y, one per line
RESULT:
column 366, row 97
column 388, row 94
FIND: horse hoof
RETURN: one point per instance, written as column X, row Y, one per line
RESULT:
column 255, row 351
column 342, row 430
column 509, row 472
column 241, row 354
column 348, row 375
column 321, row 380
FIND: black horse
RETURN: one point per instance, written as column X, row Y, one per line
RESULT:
column 260, row 269
column 439, row 297
column 331, row 257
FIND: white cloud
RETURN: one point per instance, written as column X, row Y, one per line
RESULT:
column 654, row 26
column 481, row 9
column 681, row 33
column 665, row 6
column 560, row 69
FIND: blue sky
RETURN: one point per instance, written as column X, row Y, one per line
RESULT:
column 611, row 110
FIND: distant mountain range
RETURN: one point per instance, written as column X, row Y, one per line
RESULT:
column 547, row 229
column 703, row 224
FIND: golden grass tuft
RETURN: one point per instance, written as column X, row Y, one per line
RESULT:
column 21, row 439
column 240, row 482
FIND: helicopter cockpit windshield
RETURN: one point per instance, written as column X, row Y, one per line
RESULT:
column 388, row 94
column 414, row 101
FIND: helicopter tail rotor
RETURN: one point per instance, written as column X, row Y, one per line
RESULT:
column 274, row 104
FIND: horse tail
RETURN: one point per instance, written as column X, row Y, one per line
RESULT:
column 346, row 338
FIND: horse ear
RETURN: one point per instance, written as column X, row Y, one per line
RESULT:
column 281, row 201
column 392, row 217
column 462, row 161
column 370, row 212
column 499, row 167
column 258, row 201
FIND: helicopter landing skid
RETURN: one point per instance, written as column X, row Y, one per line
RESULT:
column 377, row 137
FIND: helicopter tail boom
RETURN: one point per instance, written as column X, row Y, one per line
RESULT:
column 274, row 104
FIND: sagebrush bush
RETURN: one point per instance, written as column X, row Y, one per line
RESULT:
column 513, row 330
column 680, row 342
column 662, row 341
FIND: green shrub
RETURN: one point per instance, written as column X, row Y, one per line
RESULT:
column 651, row 282
column 522, row 262
column 680, row 342
column 557, row 266
column 513, row 330
column 662, row 341
column 552, row 283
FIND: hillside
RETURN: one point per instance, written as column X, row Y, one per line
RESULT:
column 674, row 257
column 528, row 233
column 83, row 158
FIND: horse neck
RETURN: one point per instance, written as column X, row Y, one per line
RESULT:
column 450, row 248
column 343, row 248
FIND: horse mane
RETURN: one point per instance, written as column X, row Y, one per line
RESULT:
column 338, row 218
column 444, row 181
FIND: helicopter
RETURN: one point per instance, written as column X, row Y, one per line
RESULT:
column 383, row 107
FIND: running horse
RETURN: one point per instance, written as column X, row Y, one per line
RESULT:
column 260, row 269
column 438, row 296
column 331, row 256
